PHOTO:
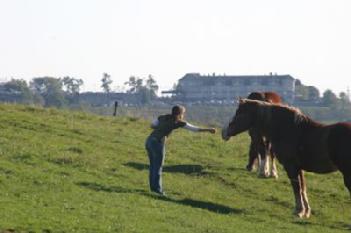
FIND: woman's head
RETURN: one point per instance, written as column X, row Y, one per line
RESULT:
column 178, row 112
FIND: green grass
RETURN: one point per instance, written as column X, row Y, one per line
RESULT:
column 64, row 171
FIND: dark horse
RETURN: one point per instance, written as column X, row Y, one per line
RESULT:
column 299, row 143
column 260, row 146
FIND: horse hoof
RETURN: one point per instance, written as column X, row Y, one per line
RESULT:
column 263, row 175
column 275, row 176
column 307, row 213
column 249, row 168
column 299, row 213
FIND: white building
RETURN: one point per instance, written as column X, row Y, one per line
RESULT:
column 196, row 87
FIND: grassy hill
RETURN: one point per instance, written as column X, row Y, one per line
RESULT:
column 63, row 171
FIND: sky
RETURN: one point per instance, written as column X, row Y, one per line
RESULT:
column 308, row 39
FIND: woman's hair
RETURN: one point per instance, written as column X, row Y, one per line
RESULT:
column 177, row 110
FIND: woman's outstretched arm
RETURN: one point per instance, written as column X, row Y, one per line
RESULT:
column 194, row 128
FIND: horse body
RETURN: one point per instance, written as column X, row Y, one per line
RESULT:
column 314, row 150
column 299, row 143
column 307, row 140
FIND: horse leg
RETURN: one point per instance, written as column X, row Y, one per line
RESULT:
column 347, row 181
column 253, row 152
column 295, row 181
column 253, row 156
column 307, row 207
column 264, row 166
column 274, row 170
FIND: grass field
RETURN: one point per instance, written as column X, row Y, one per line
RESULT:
column 63, row 171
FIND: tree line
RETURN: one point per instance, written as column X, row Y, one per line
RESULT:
column 311, row 96
column 59, row 92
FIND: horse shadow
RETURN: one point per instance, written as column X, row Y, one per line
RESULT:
column 188, row 169
column 335, row 226
column 205, row 205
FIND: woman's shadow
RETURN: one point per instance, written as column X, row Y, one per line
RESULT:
column 188, row 169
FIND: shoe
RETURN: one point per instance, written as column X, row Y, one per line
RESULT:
column 161, row 193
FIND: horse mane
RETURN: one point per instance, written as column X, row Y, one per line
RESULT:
column 265, row 110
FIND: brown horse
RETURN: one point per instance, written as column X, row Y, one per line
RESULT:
column 260, row 146
column 299, row 143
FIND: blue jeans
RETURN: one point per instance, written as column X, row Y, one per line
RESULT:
column 156, row 152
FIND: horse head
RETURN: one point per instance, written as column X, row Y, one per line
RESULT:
column 243, row 119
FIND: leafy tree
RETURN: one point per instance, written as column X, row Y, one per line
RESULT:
column 135, row 84
column 329, row 99
column 313, row 93
column 147, row 92
column 20, row 86
column 151, row 85
column 106, row 82
column 50, row 89
column 344, row 100
column 72, row 85
column 132, row 84
column 301, row 92
column 343, row 97
column 306, row 93
column 72, row 88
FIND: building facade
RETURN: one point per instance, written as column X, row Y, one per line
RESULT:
column 195, row 87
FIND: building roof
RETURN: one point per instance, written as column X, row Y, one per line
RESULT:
column 214, row 76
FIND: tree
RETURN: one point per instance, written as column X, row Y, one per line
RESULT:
column 72, row 88
column 306, row 93
column 344, row 100
column 147, row 92
column 132, row 84
column 135, row 84
column 343, row 97
column 106, row 82
column 301, row 92
column 20, row 87
column 152, row 85
column 329, row 99
column 50, row 89
column 313, row 93
column 72, row 85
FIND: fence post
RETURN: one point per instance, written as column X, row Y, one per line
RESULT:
column 115, row 111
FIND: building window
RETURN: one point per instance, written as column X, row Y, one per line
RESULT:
column 209, row 82
column 264, row 82
column 247, row 82
column 228, row 83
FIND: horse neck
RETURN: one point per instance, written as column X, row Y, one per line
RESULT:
column 264, row 119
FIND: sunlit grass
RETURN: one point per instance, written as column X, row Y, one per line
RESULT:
column 64, row 171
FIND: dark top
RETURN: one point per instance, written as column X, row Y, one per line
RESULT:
column 166, row 123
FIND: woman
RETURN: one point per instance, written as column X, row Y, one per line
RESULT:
column 155, row 143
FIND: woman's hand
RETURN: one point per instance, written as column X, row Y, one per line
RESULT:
column 212, row 130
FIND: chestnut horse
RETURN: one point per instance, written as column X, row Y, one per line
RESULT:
column 260, row 146
column 299, row 143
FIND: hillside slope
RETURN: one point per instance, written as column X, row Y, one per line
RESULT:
column 63, row 171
